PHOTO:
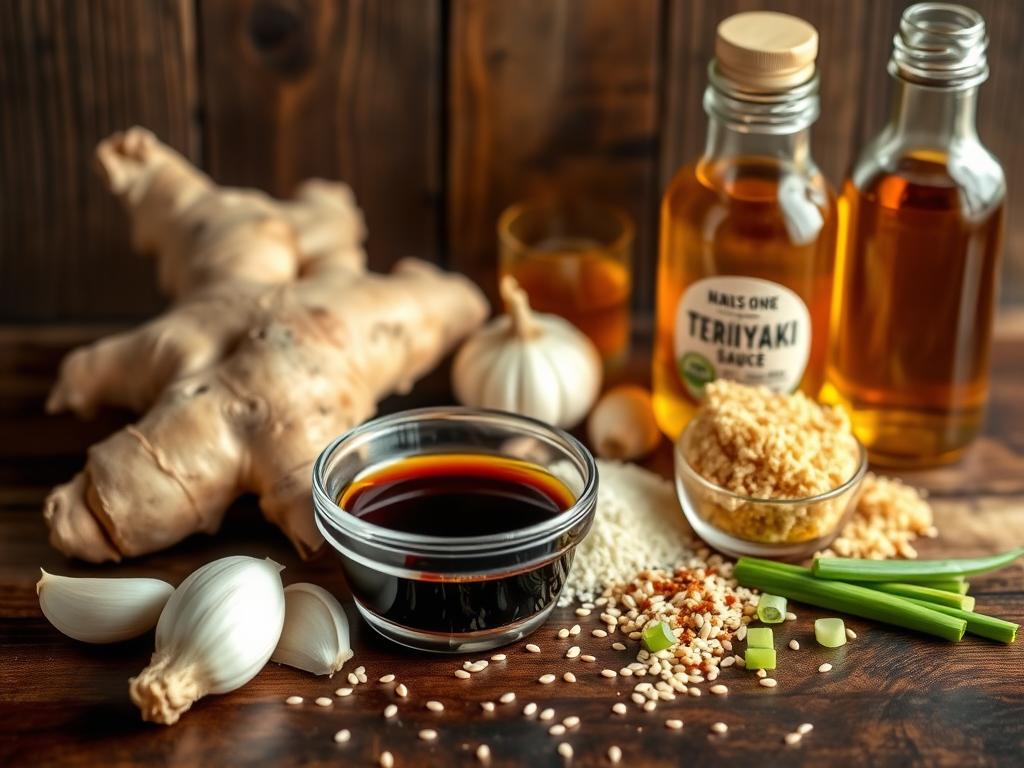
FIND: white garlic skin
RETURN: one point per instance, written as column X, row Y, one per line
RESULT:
column 529, row 363
column 101, row 610
column 215, row 634
column 622, row 425
column 315, row 637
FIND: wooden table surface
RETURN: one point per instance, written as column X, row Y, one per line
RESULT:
column 893, row 698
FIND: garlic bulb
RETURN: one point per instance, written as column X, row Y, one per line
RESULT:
column 315, row 634
column 528, row 363
column 622, row 424
column 102, row 610
column 215, row 633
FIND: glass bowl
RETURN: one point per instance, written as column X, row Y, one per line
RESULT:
column 783, row 529
column 454, row 594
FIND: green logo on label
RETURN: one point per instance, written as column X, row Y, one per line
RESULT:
column 697, row 372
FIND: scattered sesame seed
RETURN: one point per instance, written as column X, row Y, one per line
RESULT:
column 361, row 677
column 477, row 666
column 387, row 679
column 360, row 670
column 498, row 657
column 565, row 750
column 343, row 692
column 719, row 727
column 547, row 714
column 435, row 706
column 569, row 677
column 342, row 736
column 626, row 672
column 352, row 679
column 804, row 728
column 614, row 754
column 851, row 634
column 619, row 708
column 728, row 661
column 693, row 691
column 794, row 644
column 762, row 674
column 563, row 633
column 401, row 690
column 768, row 682
column 323, row 701
column 575, row 629
column 390, row 711
column 546, row 679
column 674, row 725
column 618, row 646
column 719, row 690
column 571, row 721
column 387, row 760
column 573, row 652
column 428, row 734
column 793, row 738
column 462, row 674
column 650, row 706
column 293, row 700
column 530, row 709
column 588, row 658
column 790, row 616
column 507, row 698
column 598, row 633
column 557, row 729
column 483, row 753
column 826, row 667
column 582, row 612
column 532, row 648
column 609, row 673
column 487, row 706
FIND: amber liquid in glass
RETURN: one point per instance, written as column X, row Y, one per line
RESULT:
column 739, row 217
column 579, row 280
column 913, row 320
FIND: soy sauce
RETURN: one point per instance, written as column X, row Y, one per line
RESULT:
column 457, row 496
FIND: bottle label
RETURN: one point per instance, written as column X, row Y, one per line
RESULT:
column 749, row 330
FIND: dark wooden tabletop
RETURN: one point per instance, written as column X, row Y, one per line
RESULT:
column 893, row 698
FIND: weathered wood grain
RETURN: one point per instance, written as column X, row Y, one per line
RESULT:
column 342, row 90
column 546, row 97
column 70, row 74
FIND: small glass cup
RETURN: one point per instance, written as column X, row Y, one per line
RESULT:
column 784, row 529
column 573, row 259
column 454, row 594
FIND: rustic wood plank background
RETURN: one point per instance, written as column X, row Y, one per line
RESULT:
column 438, row 112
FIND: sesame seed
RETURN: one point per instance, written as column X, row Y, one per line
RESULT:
column 352, row 679
column 573, row 652
column 428, row 734
column 571, row 721
column 546, row 679
column 293, row 700
column 851, row 634
column 507, row 698
column 361, row 677
column 650, row 706
column 360, row 670
column 674, row 725
column 323, row 701
column 530, row 709
column 390, row 711
column 532, row 648
column 618, row 646
column 626, row 672
column 826, row 667
column 790, row 616
column 741, row 632
column 794, row 644
column 598, row 633
column 498, row 657
column 565, row 750
column 487, row 706
column 343, row 692
column 692, row 691
column 719, row 727
column 804, row 728
column 575, row 629
column 768, row 682
column 387, row 760
column 342, row 736
column 387, row 679
column 557, row 729
column 569, row 677
column 588, row 658
column 547, row 714
column 609, row 673
column 563, row 633
column 638, row 698
column 401, row 690
column 614, row 754
column 477, row 666
column 762, row 674
column 435, row 706
column 728, row 661
column 582, row 612
column 719, row 690
column 483, row 753
column 619, row 708
column 462, row 674
column 793, row 738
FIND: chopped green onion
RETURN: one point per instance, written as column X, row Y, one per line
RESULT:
column 797, row 584
column 978, row 623
column 760, row 637
column 830, row 632
column 853, row 569
column 771, row 609
column 759, row 658
column 920, row 592
column 658, row 637
column 956, row 585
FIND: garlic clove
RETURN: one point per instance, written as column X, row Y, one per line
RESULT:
column 215, row 634
column 101, row 610
column 622, row 424
column 315, row 637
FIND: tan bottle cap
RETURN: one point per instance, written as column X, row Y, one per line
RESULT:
column 764, row 50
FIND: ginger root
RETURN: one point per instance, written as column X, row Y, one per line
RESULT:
column 277, row 341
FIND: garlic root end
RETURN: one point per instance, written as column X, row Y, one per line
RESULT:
column 163, row 693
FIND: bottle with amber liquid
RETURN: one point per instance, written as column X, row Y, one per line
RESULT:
column 920, row 224
column 748, row 230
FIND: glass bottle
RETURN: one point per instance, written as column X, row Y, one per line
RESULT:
column 748, row 230
column 920, row 227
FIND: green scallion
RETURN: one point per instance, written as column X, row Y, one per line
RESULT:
column 771, row 609
column 921, row 592
column 760, row 637
column 657, row 637
column 830, row 633
column 978, row 623
column 956, row 585
column 796, row 583
column 853, row 569
column 759, row 658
